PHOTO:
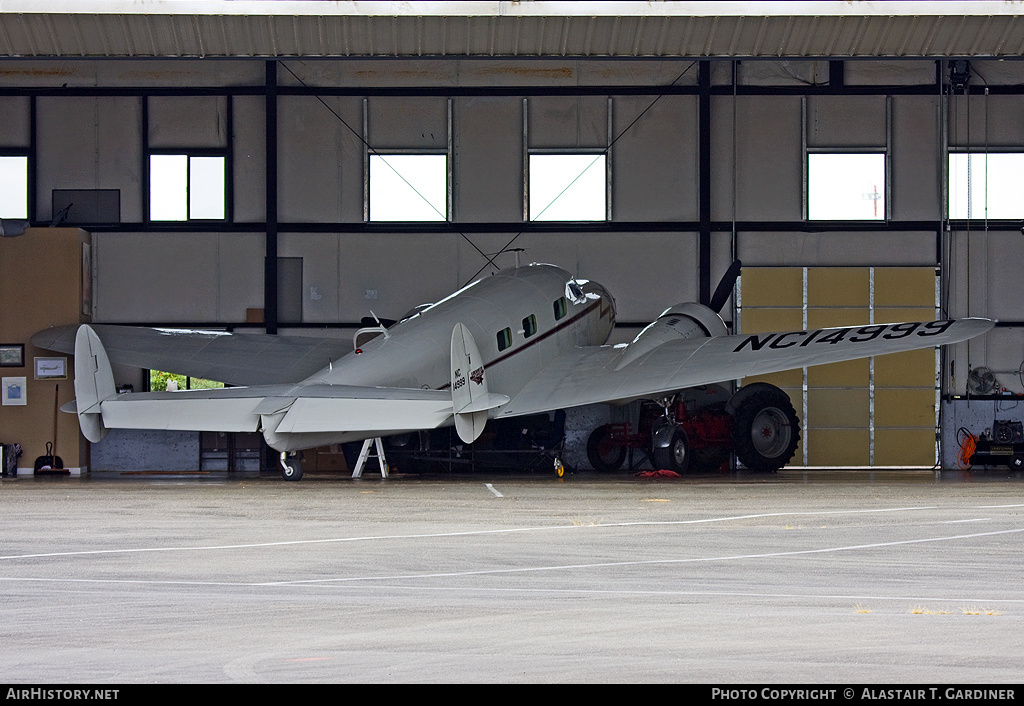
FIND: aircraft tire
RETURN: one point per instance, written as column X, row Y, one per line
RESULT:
column 766, row 430
column 291, row 468
column 676, row 456
column 603, row 454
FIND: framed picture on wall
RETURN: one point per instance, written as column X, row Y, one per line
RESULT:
column 51, row 368
column 12, row 355
column 12, row 391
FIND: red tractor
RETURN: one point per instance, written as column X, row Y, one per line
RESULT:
column 698, row 428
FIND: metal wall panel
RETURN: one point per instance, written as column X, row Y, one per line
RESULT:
column 915, row 160
column 15, row 130
column 846, row 121
column 488, row 164
column 556, row 122
column 769, row 158
column 250, row 164
column 129, row 73
column 880, row 72
column 407, row 122
column 655, row 161
column 992, row 120
column 90, row 143
column 836, row 248
column 188, row 121
column 320, row 160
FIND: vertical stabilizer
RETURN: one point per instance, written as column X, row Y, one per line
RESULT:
column 94, row 382
column 469, row 386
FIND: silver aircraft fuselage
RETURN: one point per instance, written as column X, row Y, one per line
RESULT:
column 416, row 352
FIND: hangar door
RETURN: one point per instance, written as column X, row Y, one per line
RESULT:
column 879, row 411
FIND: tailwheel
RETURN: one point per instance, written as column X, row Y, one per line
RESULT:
column 291, row 467
column 559, row 467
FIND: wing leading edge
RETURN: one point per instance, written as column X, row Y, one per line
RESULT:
column 589, row 375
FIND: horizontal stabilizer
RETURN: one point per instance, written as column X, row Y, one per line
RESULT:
column 306, row 409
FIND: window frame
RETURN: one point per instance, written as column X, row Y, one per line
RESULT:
column 606, row 217
column 877, row 148
column 529, row 151
column 884, row 194
column 189, row 154
column 448, row 151
column 953, row 152
column 367, row 185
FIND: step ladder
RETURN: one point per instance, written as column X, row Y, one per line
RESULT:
column 365, row 455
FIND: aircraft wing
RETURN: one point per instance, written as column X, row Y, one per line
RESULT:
column 594, row 374
column 235, row 359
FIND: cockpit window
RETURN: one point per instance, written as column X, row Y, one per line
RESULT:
column 574, row 292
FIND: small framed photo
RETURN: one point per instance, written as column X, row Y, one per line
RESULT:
column 51, row 368
column 12, row 355
column 13, row 391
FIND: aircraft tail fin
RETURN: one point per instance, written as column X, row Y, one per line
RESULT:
column 470, row 397
column 94, row 382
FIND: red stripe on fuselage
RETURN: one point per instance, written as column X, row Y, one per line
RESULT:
column 541, row 337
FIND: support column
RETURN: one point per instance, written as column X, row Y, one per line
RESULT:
column 270, row 263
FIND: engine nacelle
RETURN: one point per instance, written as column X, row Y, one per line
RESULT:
column 679, row 322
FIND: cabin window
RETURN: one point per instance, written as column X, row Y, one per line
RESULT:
column 504, row 338
column 529, row 326
column 560, row 308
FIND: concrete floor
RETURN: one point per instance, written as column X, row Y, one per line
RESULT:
column 800, row 577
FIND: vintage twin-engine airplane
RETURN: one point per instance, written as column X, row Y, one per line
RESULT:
column 522, row 341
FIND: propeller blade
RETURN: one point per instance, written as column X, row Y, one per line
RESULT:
column 724, row 289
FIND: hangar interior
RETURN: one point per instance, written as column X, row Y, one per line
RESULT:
column 239, row 181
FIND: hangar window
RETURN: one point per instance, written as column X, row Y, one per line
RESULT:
column 986, row 185
column 14, row 187
column 187, row 187
column 408, row 187
column 846, row 186
column 568, row 187
column 160, row 381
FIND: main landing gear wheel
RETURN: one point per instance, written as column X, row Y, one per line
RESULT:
column 676, row 456
column 291, row 467
column 766, row 430
column 604, row 454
